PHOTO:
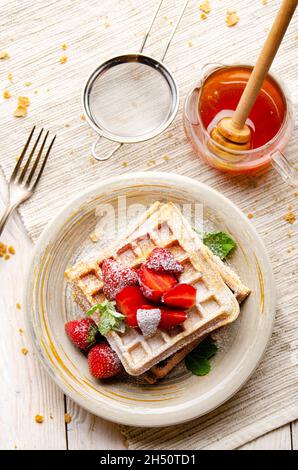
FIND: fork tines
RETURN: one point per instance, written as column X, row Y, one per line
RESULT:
column 26, row 174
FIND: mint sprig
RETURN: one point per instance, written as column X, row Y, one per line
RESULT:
column 220, row 243
column 109, row 318
column 197, row 361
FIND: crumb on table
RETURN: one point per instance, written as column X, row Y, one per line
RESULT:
column 24, row 351
column 67, row 418
column 64, row 46
column 290, row 217
column 39, row 419
column 6, row 94
column 4, row 55
column 63, row 59
column 205, row 7
column 18, row 306
column 250, row 215
column 232, row 18
column 23, row 103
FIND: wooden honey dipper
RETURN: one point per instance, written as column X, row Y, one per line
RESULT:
column 232, row 132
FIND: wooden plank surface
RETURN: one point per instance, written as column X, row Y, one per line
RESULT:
column 294, row 431
column 27, row 390
column 279, row 439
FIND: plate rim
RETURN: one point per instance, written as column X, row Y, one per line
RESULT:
column 130, row 416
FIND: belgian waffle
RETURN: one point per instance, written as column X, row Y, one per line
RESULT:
column 163, row 368
column 163, row 225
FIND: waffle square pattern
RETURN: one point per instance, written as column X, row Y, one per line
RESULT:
column 219, row 289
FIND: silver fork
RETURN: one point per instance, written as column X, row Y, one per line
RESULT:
column 23, row 181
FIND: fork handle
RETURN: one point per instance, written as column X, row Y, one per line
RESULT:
column 9, row 209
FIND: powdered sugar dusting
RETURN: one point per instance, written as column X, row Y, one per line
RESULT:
column 116, row 277
column 148, row 320
column 162, row 260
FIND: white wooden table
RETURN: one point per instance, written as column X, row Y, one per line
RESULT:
column 26, row 389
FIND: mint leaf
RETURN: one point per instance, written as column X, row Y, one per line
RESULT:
column 220, row 243
column 109, row 318
column 198, row 365
column 92, row 310
column 197, row 361
column 207, row 348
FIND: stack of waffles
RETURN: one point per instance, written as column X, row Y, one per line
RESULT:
column 219, row 290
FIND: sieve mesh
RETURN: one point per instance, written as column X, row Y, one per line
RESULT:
column 130, row 100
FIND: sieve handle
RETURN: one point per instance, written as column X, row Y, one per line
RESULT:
column 106, row 157
column 172, row 32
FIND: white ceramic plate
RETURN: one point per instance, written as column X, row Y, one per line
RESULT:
column 181, row 396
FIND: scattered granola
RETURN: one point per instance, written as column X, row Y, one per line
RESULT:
column 6, row 257
column 151, row 163
column 11, row 250
column 290, row 233
column 166, row 158
column 125, row 164
column 18, row 306
column 64, row 46
column 21, row 331
column 39, row 419
column 250, row 215
column 232, row 18
column 24, row 351
column 167, row 19
column 28, row 83
column 6, row 94
column 4, row 55
column 23, row 103
column 63, row 59
column 205, row 7
column 82, row 117
column 67, row 418
column 10, row 77
column 203, row 16
column 106, row 22
column 290, row 217
column 264, row 2
column 3, row 249
column 189, row 43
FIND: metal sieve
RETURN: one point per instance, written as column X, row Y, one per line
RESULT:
column 132, row 97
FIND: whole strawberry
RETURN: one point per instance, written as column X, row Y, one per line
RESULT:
column 82, row 332
column 103, row 361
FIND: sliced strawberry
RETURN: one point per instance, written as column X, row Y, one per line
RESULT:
column 115, row 276
column 128, row 301
column 181, row 296
column 154, row 285
column 162, row 261
column 169, row 318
